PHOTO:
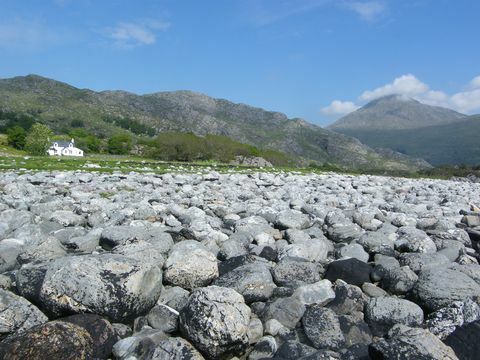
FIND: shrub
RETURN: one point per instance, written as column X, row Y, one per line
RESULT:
column 38, row 138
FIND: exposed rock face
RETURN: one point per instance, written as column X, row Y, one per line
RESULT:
column 216, row 321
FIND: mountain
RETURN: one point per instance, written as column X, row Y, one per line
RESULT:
column 438, row 135
column 62, row 106
column 395, row 112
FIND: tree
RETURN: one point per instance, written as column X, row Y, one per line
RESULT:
column 120, row 144
column 38, row 138
column 16, row 137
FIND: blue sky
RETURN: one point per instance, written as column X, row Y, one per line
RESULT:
column 315, row 59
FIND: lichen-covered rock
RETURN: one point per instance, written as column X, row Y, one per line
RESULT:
column 101, row 331
column 411, row 343
column 444, row 321
column 437, row 288
column 190, row 265
column 175, row 348
column 383, row 313
column 17, row 314
column 290, row 272
column 114, row 286
column 53, row 340
column 322, row 328
column 253, row 281
column 216, row 321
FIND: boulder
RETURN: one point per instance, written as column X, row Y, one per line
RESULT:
column 399, row 280
column 138, row 346
column 101, row 331
column 348, row 298
column 253, row 281
column 190, row 265
column 422, row 261
column 290, row 272
column 437, row 288
column 17, row 314
column 352, row 271
column 322, row 328
column 444, row 321
column 114, row 286
column 216, row 321
column 410, row 343
column 319, row 293
column 353, row 251
column 175, row 348
column 464, row 341
column 53, row 340
column 383, row 313
column 288, row 311
column 292, row 219
column 164, row 318
column 265, row 348
column 411, row 239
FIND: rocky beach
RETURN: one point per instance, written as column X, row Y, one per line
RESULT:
column 234, row 265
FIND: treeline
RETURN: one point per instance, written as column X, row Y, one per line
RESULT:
column 176, row 146
column 130, row 124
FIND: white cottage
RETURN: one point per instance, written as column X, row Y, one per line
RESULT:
column 64, row 148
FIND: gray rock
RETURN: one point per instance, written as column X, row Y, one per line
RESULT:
column 399, row 280
column 216, row 321
column 411, row 343
column 443, row 322
column 422, row 261
column 190, row 265
column 348, row 298
column 353, row 251
column 319, row 293
column 437, row 288
column 164, row 318
column 377, row 242
column 17, row 314
column 383, row 264
column 9, row 251
column 265, row 348
column 383, row 313
column 174, row 297
column 138, row 346
column 322, row 328
column 286, row 310
column 355, row 331
column 47, row 250
column 290, row 272
column 411, row 239
column 110, row 285
column 372, row 290
column 255, row 330
column 67, row 218
column 253, row 281
column 174, row 348
column 296, row 236
column 315, row 250
column 292, row 219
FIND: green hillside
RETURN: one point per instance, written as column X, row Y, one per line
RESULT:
column 451, row 144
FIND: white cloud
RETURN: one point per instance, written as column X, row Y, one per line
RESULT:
column 475, row 83
column 129, row 35
column 338, row 107
column 28, row 35
column 404, row 85
column 467, row 101
column 368, row 10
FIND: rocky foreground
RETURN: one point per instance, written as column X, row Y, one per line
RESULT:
column 219, row 266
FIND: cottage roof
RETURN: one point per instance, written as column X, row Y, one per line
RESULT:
column 62, row 143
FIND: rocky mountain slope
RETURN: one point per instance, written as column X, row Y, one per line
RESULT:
column 440, row 136
column 59, row 104
column 228, row 266
column 395, row 112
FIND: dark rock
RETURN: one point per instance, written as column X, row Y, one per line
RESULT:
column 322, row 328
column 163, row 317
column 101, row 331
column 53, row 340
column 355, row 331
column 348, row 299
column 293, row 350
column 352, row 271
column 464, row 341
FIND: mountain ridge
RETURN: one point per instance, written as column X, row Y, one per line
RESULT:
column 58, row 104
